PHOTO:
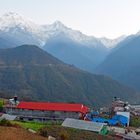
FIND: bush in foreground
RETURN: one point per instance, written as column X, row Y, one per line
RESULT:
column 64, row 135
column 43, row 132
column 5, row 122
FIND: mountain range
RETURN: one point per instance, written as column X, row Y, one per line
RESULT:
column 33, row 74
column 68, row 45
column 117, row 58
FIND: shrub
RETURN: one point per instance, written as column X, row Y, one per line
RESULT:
column 43, row 132
column 5, row 122
column 64, row 135
column 135, row 121
column 1, row 103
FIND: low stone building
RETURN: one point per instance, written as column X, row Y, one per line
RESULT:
column 135, row 110
column 46, row 110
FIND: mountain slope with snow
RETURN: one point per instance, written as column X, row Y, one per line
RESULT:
column 20, row 29
column 71, row 46
column 57, row 28
column 111, row 43
column 16, row 24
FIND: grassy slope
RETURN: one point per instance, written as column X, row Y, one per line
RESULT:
column 74, row 134
column 56, row 130
column 34, row 125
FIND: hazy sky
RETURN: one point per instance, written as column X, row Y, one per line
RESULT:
column 110, row 18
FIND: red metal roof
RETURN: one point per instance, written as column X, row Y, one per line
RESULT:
column 53, row 106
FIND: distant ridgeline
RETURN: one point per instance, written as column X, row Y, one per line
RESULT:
column 123, row 63
column 33, row 74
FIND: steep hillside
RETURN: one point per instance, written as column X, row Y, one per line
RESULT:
column 26, row 55
column 33, row 74
column 82, row 56
column 123, row 63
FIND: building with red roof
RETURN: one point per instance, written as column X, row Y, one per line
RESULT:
column 47, row 110
column 53, row 106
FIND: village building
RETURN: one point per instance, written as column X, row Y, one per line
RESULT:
column 97, row 127
column 135, row 110
column 45, row 110
column 119, row 105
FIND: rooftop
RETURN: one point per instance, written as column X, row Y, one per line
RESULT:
column 53, row 106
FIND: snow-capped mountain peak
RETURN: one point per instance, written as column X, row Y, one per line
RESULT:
column 11, row 20
column 110, row 43
column 21, row 27
column 58, row 28
column 57, row 24
column 12, row 15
